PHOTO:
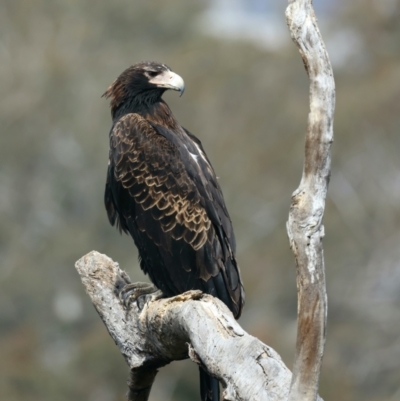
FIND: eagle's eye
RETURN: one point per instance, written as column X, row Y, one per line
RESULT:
column 152, row 74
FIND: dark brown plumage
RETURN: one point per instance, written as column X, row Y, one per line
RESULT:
column 163, row 191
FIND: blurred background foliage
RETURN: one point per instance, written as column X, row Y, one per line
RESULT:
column 247, row 100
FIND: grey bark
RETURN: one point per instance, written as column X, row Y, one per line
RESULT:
column 194, row 325
column 304, row 226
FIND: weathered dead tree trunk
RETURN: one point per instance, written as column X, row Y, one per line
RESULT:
column 192, row 325
column 304, row 226
column 201, row 327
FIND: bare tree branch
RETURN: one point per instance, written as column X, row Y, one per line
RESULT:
column 304, row 226
column 192, row 325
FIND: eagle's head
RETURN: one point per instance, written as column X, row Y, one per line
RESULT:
column 143, row 83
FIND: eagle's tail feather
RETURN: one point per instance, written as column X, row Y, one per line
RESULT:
column 209, row 387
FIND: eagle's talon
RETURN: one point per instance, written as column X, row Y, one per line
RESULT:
column 144, row 299
column 135, row 291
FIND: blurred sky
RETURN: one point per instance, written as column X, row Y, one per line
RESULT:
column 258, row 21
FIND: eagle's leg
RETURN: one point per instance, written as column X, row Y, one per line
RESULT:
column 139, row 292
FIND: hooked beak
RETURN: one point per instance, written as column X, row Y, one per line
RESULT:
column 169, row 80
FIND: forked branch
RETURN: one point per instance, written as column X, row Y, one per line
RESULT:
column 201, row 327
